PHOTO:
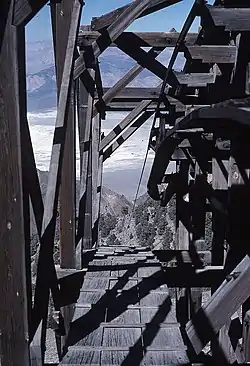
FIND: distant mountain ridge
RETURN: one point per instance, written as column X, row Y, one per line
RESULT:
column 41, row 79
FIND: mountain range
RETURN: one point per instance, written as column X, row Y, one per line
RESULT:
column 41, row 79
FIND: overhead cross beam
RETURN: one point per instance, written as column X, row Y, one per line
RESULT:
column 111, row 34
column 146, row 39
column 123, row 82
column 107, row 19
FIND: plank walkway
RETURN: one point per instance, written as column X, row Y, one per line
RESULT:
column 124, row 315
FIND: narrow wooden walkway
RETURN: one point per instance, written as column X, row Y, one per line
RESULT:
column 124, row 314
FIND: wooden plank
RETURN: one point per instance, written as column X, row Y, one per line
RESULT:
column 232, row 19
column 219, row 309
column 25, row 10
column 129, row 132
column 112, row 32
column 197, row 80
column 13, row 305
column 146, row 39
column 212, row 54
column 135, row 93
column 107, row 19
column 123, row 124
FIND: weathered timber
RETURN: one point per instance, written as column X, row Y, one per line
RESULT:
column 95, row 142
column 61, row 27
column 232, row 19
column 197, row 80
column 122, row 83
column 124, row 123
column 135, row 93
column 46, row 275
column 212, row 54
column 146, row 39
column 84, row 231
column 25, row 10
column 112, row 32
column 182, row 243
column 218, row 310
column 60, row 126
column 144, row 59
column 119, row 140
column 246, row 337
column 107, row 19
column 13, row 305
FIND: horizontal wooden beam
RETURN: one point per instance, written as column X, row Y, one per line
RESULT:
column 107, row 19
column 212, row 54
column 146, row 39
column 25, row 10
column 135, row 93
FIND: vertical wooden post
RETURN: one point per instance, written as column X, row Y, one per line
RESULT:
column 61, row 14
column 13, row 307
column 95, row 142
column 198, row 207
column 84, row 234
column 182, row 243
column 61, row 19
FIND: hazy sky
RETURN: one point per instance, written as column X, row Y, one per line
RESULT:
column 174, row 16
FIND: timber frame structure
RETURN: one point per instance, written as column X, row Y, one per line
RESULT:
column 112, row 305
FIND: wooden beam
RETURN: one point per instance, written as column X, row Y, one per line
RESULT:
column 246, row 337
column 107, row 19
column 218, row 310
column 129, row 132
column 61, row 27
column 146, row 39
column 13, row 305
column 46, row 275
column 25, row 10
column 95, row 142
column 212, row 54
column 113, row 31
column 144, row 59
column 123, row 124
column 84, row 231
column 134, row 93
column 122, row 83
column 51, row 198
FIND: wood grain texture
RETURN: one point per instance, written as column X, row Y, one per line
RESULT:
column 61, row 25
column 109, row 18
column 146, row 39
column 131, row 321
column 13, row 305
column 112, row 33
column 25, row 10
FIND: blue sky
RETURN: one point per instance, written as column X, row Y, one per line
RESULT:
column 174, row 16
